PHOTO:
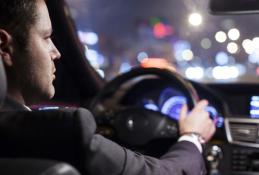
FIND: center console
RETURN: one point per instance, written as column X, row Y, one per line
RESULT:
column 243, row 151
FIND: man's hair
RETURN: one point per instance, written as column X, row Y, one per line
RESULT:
column 16, row 17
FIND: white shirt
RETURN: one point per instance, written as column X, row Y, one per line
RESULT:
column 191, row 138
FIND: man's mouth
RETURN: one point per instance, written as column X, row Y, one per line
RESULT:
column 54, row 76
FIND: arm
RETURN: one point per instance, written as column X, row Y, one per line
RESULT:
column 106, row 157
column 68, row 135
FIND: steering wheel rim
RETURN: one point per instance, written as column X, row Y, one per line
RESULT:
column 124, row 119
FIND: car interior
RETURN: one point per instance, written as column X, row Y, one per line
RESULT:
column 137, row 103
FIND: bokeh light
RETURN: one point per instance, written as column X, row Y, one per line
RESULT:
column 89, row 38
column 206, row 43
column 233, row 34
column 187, row 55
column 254, row 57
column 232, row 48
column 141, row 56
column 248, row 46
column 194, row 73
column 225, row 72
column 222, row 58
column 195, row 19
column 221, row 36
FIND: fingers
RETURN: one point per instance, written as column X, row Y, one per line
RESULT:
column 209, row 131
column 197, row 120
column 200, row 110
column 201, row 105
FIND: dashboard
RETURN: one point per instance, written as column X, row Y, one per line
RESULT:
column 235, row 101
column 234, row 149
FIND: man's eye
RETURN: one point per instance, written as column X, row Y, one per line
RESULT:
column 48, row 37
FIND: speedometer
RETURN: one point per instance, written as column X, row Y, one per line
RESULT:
column 172, row 106
column 170, row 102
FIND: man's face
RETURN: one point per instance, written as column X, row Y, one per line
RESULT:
column 36, row 65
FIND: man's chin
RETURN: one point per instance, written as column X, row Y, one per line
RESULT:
column 51, row 93
column 42, row 97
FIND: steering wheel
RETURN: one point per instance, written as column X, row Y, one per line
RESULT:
column 138, row 126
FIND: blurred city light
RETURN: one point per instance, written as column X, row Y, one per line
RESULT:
column 225, row 72
column 257, row 70
column 187, row 55
column 241, row 68
column 232, row 48
column 221, row 36
column 233, row 34
column 254, row 57
column 194, row 73
column 130, row 32
column 92, row 56
column 256, row 42
column 141, row 56
column 161, row 30
column 248, row 46
column 222, row 58
column 179, row 47
column 195, row 19
column 89, row 38
column 125, row 67
column 206, row 43
column 95, row 59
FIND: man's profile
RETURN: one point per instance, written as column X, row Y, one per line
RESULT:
column 33, row 50
column 28, row 54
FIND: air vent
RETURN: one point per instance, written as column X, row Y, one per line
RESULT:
column 242, row 131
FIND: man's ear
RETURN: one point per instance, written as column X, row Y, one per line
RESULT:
column 6, row 47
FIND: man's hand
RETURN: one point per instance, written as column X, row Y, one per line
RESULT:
column 197, row 121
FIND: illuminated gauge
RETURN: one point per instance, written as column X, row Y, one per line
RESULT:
column 213, row 112
column 254, row 107
column 218, row 120
column 172, row 106
column 149, row 104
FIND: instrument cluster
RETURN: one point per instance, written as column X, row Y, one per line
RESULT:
column 168, row 100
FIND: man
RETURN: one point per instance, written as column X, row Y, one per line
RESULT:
column 34, row 51
column 28, row 54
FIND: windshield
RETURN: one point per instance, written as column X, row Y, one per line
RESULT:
column 179, row 34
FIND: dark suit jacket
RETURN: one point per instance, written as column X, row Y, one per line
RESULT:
column 26, row 134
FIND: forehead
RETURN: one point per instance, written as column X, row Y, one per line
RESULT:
column 43, row 19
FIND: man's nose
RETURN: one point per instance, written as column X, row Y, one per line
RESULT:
column 58, row 54
column 55, row 53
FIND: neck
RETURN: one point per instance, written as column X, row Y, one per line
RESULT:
column 13, row 87
column 15, row 95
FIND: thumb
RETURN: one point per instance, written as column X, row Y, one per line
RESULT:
column 183, row 112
